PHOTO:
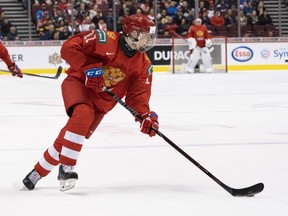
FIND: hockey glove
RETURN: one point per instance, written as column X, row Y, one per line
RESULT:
column 208, row 43
column 94, row 79
column 149, row 125
column 16, row 71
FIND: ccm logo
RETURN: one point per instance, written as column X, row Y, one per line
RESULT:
column 94, row 72
column 242, row 54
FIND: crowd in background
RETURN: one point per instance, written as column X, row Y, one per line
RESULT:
column 59, row 19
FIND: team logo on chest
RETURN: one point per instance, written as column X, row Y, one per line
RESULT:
column 113, row 75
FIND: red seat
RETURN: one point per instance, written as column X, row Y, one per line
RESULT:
column 259, row 30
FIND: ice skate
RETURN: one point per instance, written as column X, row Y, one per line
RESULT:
column 67, row 177
column 31, row 179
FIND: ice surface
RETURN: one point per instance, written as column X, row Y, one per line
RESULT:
column 234, row 124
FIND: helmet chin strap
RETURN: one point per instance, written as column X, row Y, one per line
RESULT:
column 133, row 42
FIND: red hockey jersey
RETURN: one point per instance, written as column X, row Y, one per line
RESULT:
column 129, row 77
column 200, row 33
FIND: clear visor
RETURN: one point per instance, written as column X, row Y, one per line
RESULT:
column 146, row 41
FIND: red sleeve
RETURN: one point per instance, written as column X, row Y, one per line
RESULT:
column 4, row 55
column 77, row 49
column 139, row 90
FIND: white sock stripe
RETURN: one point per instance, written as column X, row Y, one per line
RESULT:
column 69, row 153
column 75, row 138
column 53, row 153
column 45, row 164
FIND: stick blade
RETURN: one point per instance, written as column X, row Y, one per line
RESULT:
column 247, row 192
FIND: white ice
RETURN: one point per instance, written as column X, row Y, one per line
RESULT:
column 234, row 124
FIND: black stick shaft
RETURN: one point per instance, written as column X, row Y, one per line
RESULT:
column 135, row 114
column 58, row 73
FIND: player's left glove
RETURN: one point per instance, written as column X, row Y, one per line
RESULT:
column 94, row 79
column 150, row 124
column 16, row 71
column 208, row 43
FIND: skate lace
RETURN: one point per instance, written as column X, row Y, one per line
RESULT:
column 68, row 169
column 34, row 177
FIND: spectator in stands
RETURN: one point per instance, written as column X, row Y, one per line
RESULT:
column 241, row 18
column 139, row 11
column 59, row 16
column 171, row 8
column 97, row 17
column 56, row 35
column 62, row 5
column 191, row 17
column 248, row 9
column 102, row 25
column 233, row 4
column 167, row 26
column 264, row 18
column 42, row 12
column 74, row 27
column 5, row 28
column 229, row 18
column 185, row 9
column 252, row 18
column 260, row 7
column 110, row 20
column 44, row 22
column 178, row 17
column 119, row 24
column 211, row 9
column 183, row 27
column 144, row 6
column 87, row 24
column 217, row 19
column 222, row 6
column 65, row 33
column 205, row 19
column 82, row 12
column 150, row 14
column 242, row 4
column 13, row 35
column 48, row 35
column 201, row 8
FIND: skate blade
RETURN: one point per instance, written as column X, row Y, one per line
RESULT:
column 67, row 184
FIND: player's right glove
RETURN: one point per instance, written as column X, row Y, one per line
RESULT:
column 16, row 71
column 149, row 124
column 94, row 79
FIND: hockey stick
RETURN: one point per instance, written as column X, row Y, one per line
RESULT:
column 243, row 192
column 58, row 73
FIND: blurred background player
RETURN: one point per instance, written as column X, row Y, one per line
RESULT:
column 99, row 59
column 12, row 66
column 199, row 41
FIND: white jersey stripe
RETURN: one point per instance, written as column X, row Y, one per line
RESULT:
column 53, row 153
column 69, row 153
column 47, row 166
column 75, row 138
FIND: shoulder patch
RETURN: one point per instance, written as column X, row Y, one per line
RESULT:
column 150, row 70
column 102, row 37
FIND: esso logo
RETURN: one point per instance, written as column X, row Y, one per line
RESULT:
column 242, row 54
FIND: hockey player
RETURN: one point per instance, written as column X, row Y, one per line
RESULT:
column 12, row 66
column 199, row 41
column 99, row 60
